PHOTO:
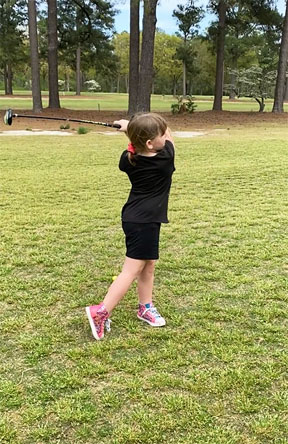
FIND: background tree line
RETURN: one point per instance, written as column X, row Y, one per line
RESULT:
column 73, row 46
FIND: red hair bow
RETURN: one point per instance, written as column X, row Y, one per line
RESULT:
column 131, row 148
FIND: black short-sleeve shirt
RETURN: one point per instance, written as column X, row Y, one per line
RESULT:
column 151, row 179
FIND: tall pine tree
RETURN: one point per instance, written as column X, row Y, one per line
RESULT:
column 35, row 67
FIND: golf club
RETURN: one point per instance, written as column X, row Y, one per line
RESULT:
column 9, row 116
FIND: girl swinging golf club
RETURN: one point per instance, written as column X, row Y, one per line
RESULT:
column 149, row 164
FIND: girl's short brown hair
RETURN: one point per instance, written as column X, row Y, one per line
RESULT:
column 143, row 127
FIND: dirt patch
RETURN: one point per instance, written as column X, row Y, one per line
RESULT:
column 198, row 121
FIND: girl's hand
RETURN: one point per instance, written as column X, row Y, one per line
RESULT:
column 168, row 135
column 123, row 123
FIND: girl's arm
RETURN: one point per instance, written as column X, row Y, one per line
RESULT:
column 123, row 123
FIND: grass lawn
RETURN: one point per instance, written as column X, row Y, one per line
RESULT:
column 112, row 102
column 217, row 374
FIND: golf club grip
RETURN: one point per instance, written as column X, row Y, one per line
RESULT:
column 92, row 122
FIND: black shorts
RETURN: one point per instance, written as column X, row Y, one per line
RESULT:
column 142, row 240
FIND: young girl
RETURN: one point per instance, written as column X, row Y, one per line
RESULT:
column 149, row 164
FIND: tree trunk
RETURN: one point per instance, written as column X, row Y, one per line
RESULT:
column 67, row 80
column 78, row 70
column 286, row 90
column 282, row 64
column 118, row 84
column 5, row 76
column 54, row 101
column 134, row 56
column 174, row 87
column 184, row 80
column 217, row 105
column 147, row 55
column 190, row 88
column 232, row 93
column 9, row 79
column 261, row 104
column 35, row 70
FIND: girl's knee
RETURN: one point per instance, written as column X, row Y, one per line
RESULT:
column 152, row 262
column 133, row 267
column 150, row 266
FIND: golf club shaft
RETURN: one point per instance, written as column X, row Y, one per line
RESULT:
column 92, row 122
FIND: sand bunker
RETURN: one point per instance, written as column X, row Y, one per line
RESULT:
column 183, row 134
column 187, row 133
column 34, row 133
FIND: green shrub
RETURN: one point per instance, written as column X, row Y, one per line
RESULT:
column 183, row 105
column 65, row 127
column 82, row 130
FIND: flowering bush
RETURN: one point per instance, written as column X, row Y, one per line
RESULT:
column 61, row 84
column 92, row 85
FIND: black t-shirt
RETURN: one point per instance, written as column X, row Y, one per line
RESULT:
column 151, row 179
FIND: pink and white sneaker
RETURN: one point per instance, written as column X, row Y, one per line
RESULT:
column 98, row 318
column 150, row 314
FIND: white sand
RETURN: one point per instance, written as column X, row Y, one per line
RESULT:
column 34, row 133
column 182, row 134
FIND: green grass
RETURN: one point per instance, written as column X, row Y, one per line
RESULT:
column 217, row 373
column 112, row 102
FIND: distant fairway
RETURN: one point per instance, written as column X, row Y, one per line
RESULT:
column 113, row 102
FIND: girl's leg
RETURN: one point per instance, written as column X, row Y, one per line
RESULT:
column 145, row 282
column 131, row 269
column 147, row 311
